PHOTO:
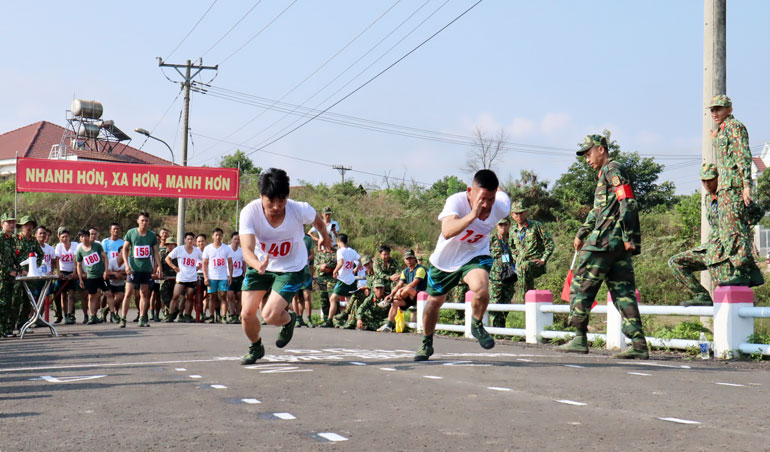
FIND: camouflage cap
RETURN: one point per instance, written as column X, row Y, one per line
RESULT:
column 7, row 217
column 518, row 207
column 26, row 219
column 365, row 259
column 170, row 241
column 60, row 230
column 327, row 209
column 591, row 141
column 379, row 283
column 504, row 220
column 708, row 171
column 720, row 100
column 409, row 253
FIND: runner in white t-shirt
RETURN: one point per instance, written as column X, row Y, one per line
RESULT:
column 345, row 273
column 217, row 268
column 234, row 291
column 462, row 253
column 68, row 286
column 187, row 258
column 271, row 231
column 49, row 254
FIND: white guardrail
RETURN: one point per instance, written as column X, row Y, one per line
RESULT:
column 733, row 314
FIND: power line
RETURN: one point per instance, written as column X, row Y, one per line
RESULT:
column 192, row 29
column 259, row 32
column 231, row 28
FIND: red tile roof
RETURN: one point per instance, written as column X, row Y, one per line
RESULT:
column 760, row 164
column 35, row 141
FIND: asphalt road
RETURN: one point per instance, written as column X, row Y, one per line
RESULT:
column 180, row 387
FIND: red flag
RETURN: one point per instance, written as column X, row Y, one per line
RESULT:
column 568, row 282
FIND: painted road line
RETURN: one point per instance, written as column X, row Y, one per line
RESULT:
column 524, row 360
column 284, row 416
column 677, row 420
column 731, row 384
column 332, row 436
column 356, row 363
column 570, row 402
column 432, row 377
column 195, row 376
column 218, row 387
column 250, row 401
column 574, row 366
column 388, row 369
column 465, row 364
column 180, row 369
column 641, row 374
column 498, row 388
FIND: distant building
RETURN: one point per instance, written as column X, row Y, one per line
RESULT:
column 47, row 140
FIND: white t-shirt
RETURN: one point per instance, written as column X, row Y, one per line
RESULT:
column 217, row 257
column 332, row 235
column 349, row 256
column 452, row 254
column 49, row 254
column 361, row 274
column 284, row 244
column 237, row 261
column 187, row 263
column 66, row 256
column 112, row 265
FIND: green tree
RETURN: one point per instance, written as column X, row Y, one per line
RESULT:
column 763, row 189
column 240, row 160
column 534, row 195
column 688, row 213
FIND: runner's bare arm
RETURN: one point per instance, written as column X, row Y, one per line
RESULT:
column 325, row 242
column 337, row 269
column 106, row 265
column 248, row 242
column 125, row 253
column 158, row 268
column 170, row 263
column 229, row 270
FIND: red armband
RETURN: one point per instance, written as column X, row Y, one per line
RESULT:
column 624, row 192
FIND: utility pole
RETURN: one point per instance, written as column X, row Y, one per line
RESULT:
column 714, row 82
column 342, row 169
column 187, row 77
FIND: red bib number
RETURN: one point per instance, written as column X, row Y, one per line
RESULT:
column 238, row 265
column 92, row 259
column 277, row 249
column 469, row 237
column 141, row 251
column 66, row 258
column 189, row 262
column 349, row 265
column 218, row 262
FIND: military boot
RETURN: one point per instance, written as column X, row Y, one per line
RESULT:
column 485, row 339
column 286, row 332
column 638, row 350
column 578, row 344
column 737, row 279
column 256, row 351
column 426, row 350
column 755, row 277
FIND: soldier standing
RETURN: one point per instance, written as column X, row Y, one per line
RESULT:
column 386, row 269
column 26, row 243
column 532, row 247
column 9, row 266
column 607, row 240
column 733, row 159
column 325, row 262
column 502, row 275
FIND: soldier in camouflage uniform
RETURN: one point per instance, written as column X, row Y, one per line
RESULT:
column 502, row 276
column 25, row 243
column 348, row 321
column 532, row 246
column 710, row 255
column 607, row 240
column 386, row 269
column 373, row 310
column 325, row 262
column 166, row 285
column 9, row 266
column 733, row 159
column 457, row 295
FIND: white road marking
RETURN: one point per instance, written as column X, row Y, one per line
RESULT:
column 52, row 379
column 195, row 376
column 277, row 368
column 571, row 402
column 677, row 420
column 655, row 365
column 574, row 366
column 466, row 364
column 498, row 388
column 219, row 386
column 432, row 377
column 641, row 374
column 356, row 363
column 389, row 369
column 250, row 401
column 731, row 384
column 181, row 369
column 332, row 436
column 284, row 416
column 524, row 360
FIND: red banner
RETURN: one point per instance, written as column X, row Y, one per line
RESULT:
column 128, row 179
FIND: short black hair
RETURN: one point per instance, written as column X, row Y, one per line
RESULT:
column 83, row 232
column 385, row 248
column 41, row 227
column 234, row 234
column 189, row 234
column 93, row 228
column 64, row 231
column 343, row 238
column 201, row 235
column 114, row 224
column 143, row 214
column 274, row 183
column 486, row 179
column 219, row 230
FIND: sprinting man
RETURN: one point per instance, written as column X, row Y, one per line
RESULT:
column 142, row 264
column 272, row 230
column 462, row 254
column 345, row 274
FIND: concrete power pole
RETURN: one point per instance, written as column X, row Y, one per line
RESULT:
column 342, row 169
column 714, row 82
column 187, row 76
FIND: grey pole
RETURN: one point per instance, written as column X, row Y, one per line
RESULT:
column 714, row 82
column 238, row 200
column 186, row 131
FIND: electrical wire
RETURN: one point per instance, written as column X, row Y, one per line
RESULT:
column 231, row 28
column 161, row 119
column 258, row 32
column 192, row 29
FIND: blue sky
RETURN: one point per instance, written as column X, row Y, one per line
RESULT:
column 546, row 72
